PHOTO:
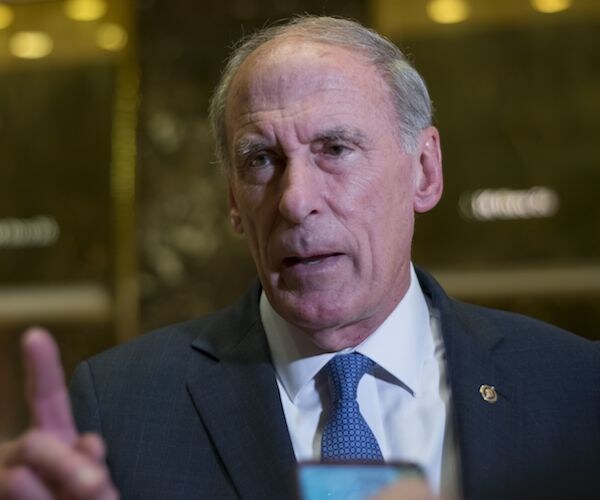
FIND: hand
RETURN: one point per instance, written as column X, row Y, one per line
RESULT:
column 51, row 460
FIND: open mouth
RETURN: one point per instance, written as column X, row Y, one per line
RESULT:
column 313, row 259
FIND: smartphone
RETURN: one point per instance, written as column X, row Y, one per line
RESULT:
column 350, row 481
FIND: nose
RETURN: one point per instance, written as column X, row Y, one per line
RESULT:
column 300, row 191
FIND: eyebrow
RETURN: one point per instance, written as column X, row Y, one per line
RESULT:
column 246, row 147
column 344, row 134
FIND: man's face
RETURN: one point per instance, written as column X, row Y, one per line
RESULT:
column 323, row 188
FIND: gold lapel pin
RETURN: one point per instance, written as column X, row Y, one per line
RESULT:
column 488, row 393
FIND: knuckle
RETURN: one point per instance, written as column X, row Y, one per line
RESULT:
column 30, row 442
column 93, row 446
column 14, row 481
column 91, row 480
column 113, row 494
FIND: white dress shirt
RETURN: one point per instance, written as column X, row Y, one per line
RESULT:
column 406, row 401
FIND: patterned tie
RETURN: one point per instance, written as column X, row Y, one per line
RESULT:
column 346, row 435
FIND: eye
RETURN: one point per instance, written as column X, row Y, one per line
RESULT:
column 258, row 167
column 259, row 160
column 335, row 149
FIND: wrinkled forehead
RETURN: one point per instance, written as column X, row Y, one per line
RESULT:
column 293, row 68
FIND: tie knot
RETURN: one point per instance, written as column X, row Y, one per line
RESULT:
column 344, row 372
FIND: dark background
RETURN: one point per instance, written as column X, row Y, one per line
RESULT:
column 116, row 148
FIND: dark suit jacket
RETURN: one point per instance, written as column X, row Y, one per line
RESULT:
column 193, row 410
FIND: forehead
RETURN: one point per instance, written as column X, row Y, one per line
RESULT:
column 293, row 72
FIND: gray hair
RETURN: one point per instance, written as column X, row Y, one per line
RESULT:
column 409, row 92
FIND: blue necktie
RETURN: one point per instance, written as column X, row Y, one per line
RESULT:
column 346, row 435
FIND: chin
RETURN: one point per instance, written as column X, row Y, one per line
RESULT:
column 338, row 338
column 331, row 328
column 308, row 316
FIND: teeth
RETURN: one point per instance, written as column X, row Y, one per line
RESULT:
column 292, row 261
column 306, row 260
column 313, row 260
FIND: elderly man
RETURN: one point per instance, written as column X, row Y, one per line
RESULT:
column 325, row 133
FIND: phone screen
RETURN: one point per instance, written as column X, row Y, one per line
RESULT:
column 319, row 481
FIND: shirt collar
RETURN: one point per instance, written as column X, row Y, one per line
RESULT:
column 296, row 358
column 400, row 345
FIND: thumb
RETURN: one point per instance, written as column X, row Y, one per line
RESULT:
column 46, row 392
column 92, row 446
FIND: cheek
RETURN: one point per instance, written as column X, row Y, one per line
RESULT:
column 257, row 218
column 387, row 220
column 248, row 200
column 384, row 197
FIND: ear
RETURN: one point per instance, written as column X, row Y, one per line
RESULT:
column 235, row 218
column 429, row 181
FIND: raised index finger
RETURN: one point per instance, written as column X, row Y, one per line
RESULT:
column 45, row 390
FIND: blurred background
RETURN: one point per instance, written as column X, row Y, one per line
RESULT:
column 112, row 209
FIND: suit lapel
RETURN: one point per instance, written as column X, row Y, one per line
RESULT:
column 487, row 432
column 233, row 387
